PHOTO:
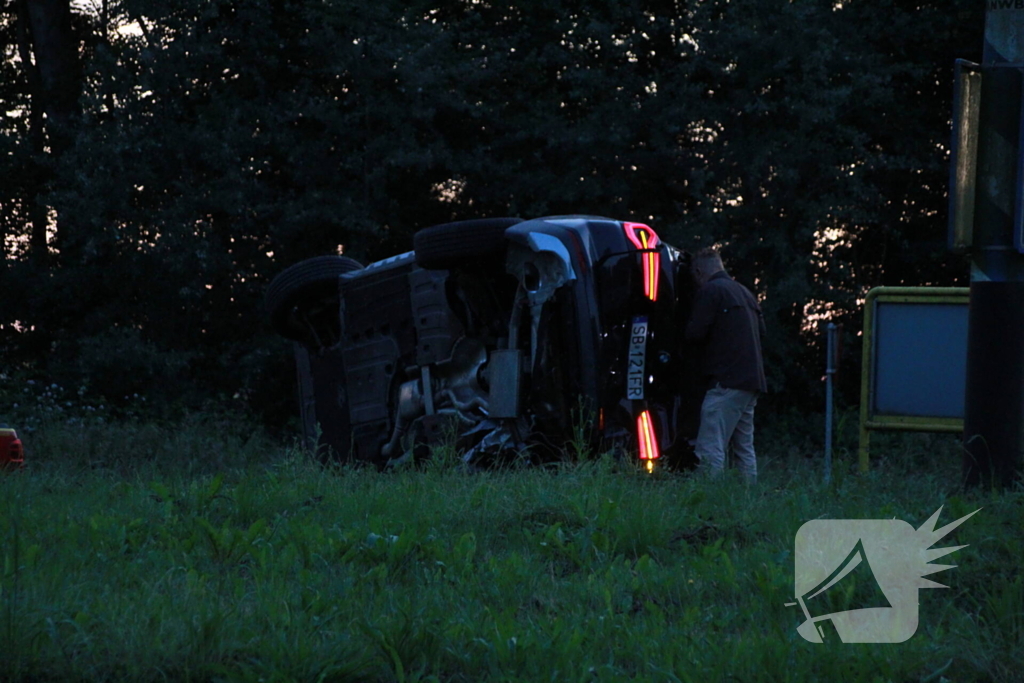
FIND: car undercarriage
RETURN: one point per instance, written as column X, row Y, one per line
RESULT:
column 534, row 340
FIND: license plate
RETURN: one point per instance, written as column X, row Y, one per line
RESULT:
column 637, row 358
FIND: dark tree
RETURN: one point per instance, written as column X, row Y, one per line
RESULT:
column 48, row 52
column 186, row 151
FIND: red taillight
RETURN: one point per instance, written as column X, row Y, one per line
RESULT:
column 646, row 240
column 646, row 437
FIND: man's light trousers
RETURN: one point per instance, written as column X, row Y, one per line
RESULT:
column 727, row 418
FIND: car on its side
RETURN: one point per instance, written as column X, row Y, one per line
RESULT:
column 543, row 336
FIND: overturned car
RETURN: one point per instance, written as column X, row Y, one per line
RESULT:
column 533, row 338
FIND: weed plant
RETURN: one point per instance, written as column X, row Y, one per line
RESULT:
column 206, row 552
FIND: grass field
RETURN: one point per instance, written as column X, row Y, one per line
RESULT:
column 206, row 552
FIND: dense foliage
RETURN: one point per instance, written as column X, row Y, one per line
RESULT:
column 211, row 143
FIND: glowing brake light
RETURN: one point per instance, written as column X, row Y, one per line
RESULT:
column 647, row 439
column 647, row 241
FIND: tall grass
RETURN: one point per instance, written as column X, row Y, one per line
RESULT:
column 206, row 552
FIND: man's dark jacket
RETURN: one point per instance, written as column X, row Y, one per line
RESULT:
column 728, row 322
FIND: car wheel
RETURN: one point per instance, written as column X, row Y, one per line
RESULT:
column 454, row 244
column 307, row 293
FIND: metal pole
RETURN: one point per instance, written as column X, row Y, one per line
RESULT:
column 866, row 380
column 830, row 370
column 994, row 397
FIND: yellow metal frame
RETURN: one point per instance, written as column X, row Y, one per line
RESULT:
column 871, row 422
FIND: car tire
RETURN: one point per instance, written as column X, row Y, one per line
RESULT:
column 457, row 244
column 306, row 282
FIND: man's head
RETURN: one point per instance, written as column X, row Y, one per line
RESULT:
column 706, row 263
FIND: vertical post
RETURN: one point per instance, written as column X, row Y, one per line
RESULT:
column 830, row 370
column 994, row 395
column 866, row 378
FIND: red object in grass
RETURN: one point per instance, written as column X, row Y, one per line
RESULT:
column 12, row 453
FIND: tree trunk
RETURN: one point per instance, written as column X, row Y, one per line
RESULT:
column 49, row 56
column 56, row 61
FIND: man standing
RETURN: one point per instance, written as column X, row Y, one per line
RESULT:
column 727, row 321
